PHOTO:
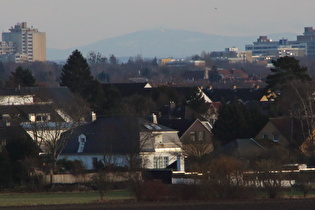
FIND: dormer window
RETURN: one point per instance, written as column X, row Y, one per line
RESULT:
column 275, row 137
column 41, row 118
column 81, row 140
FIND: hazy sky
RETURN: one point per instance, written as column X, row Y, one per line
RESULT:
column 72, row 23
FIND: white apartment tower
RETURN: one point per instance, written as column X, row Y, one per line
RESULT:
column 28, row 42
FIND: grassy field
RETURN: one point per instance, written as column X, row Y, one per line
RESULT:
column 30, row 199
column 92, row 198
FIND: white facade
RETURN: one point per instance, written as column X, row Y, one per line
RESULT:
column 16, row 99
column 283, row 47
column 158, row 149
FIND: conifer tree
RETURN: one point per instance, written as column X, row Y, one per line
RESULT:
column 21, row 78
column 286, row 69
column 76, row 74
column 236, row 121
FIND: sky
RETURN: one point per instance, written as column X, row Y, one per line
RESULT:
column 73, row 23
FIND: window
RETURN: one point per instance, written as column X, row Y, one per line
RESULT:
column 41, row 118
column 193, row 136
column 201, row 135
column 265, row 136
column 275, row 137
column 94, row 162
column 2, row 144
column 160, row 162
column 81, row 140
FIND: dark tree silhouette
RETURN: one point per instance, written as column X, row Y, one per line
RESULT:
column 21, row 78
column 286, row 69
column 76, row 74
column 235, row 121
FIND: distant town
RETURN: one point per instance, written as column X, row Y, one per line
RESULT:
column 221, row 124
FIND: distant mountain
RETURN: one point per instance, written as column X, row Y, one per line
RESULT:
column 162, row 43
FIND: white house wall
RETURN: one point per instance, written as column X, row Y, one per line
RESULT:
column 16, row 100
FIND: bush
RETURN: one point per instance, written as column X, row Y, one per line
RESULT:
column 225, row 179
column 71, row 166
column 154, row 190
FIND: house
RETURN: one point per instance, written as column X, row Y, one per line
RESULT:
column 195, row 135
column 250, row 150
column 120, row 140
column 284, row 130
column 44, row 113
column 245, row 95
column 15, row 97
column 233, row 74
column 9, row 132
column 172, row 111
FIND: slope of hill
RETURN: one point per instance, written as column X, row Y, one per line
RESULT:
column 162, row 43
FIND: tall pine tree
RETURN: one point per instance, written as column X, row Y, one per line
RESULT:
column 76, row 74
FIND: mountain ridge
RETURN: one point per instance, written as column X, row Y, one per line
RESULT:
column 162, row 43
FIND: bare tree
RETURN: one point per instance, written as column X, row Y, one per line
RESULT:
column 298, row 100
column 52, row 119
column 270, row 175
column 224, row 178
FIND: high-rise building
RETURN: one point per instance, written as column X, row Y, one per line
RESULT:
column 27, row 42
column 308, row 37
column 265, row 47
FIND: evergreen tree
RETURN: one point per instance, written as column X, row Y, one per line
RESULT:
column 76, row 74
column 236, row 121
column 113, row 60
column 286, row 69
column 21, row 77
column 195, row 100
column 111, row 102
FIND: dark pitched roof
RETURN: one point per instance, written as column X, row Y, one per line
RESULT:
column 194, row 75
column 20, row 112
column 128, row 89
column 227, row 95
column 14, row 91
column 290, row 128
column 233, row 74
column 181, row 125
column 110, row 135
column 105, row 135
column 242, row 148
column 178, row 112
column 56, row 94
column 10, row 132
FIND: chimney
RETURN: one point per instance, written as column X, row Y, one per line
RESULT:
column 172, row 104
column 93, row 116
column 154, row 119
column 206, row 73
